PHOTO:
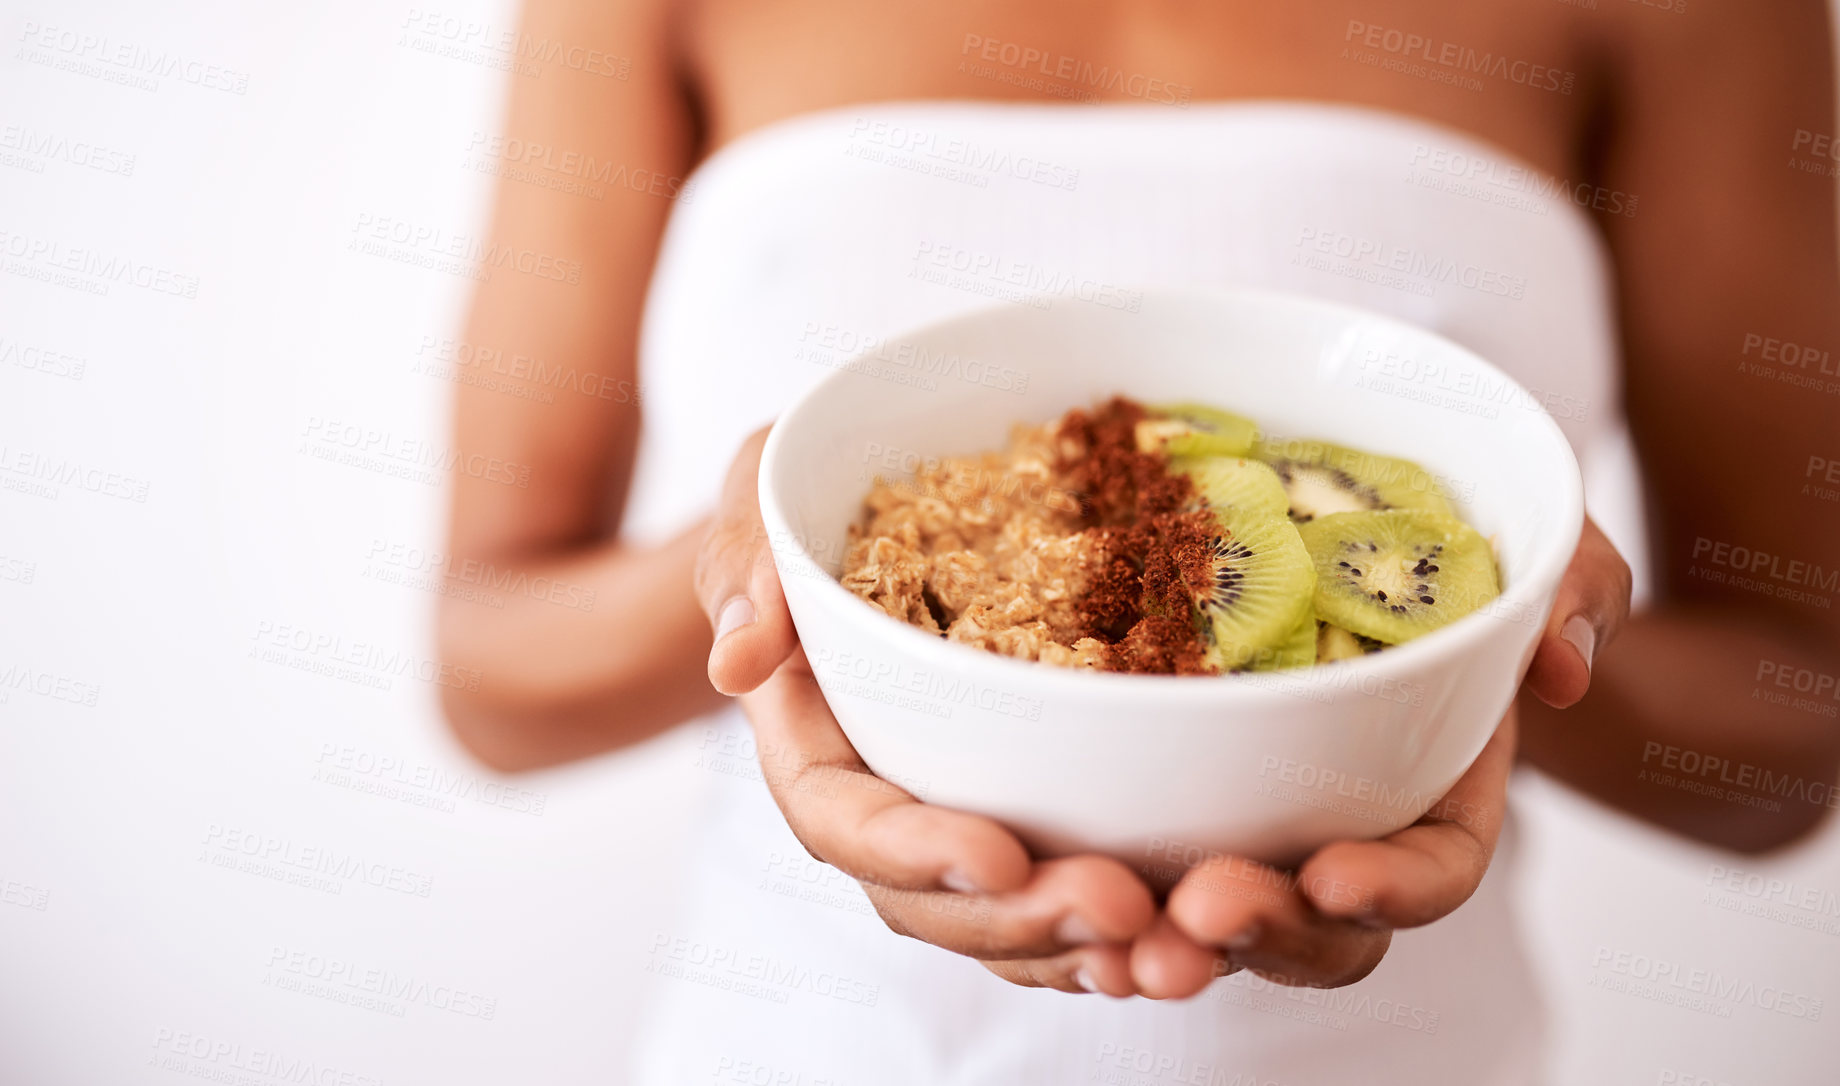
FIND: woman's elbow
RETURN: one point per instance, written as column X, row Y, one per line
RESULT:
column 494, row 738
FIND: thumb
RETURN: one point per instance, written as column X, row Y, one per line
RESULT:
column 738, row 586
column 1591, row 606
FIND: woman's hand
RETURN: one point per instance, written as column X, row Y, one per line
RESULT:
column 1329, row 923
column 948, row 878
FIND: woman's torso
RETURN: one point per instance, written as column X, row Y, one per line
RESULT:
column 1523, row 75
column 812, row 240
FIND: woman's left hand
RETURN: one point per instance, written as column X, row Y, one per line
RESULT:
column 1329, row 923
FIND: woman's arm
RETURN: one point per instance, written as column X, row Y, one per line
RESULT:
column 1732, row 249
column 597, row 644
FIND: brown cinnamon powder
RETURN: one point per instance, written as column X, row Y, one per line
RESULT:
column 1157, row 546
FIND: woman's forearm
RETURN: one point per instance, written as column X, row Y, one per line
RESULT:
column 576, row 653
column 1694, row 722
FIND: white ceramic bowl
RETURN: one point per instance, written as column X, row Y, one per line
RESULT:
column 1162, row 771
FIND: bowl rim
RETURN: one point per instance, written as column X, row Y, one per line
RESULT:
column 1432, row 650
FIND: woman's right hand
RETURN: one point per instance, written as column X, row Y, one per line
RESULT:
column 945, row 877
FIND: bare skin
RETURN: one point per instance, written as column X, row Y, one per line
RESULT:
column 1730, row 242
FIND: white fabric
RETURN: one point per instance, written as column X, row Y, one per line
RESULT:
column 801, row 240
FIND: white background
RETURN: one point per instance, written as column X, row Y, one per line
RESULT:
column 123, row 934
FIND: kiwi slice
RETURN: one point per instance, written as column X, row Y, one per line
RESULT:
column 1334, row 643
column 1321, row 479
column 1259, row 588
column 1297, row 649
column 1192, row 429
column 1395, row 574
column 1225, row 482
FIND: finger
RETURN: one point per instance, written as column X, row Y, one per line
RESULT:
column 1067, row 903
column 738, row 586
column 855, row 821
column 1264, row 922
column 1102, row 969
column 1167, row 964
column 1426, row 870
column 1592, row 603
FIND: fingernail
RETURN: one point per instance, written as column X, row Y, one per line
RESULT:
column 1083, row 978
column 737, row 612
column 1075, row 930
column 1582, row 635
column 958, row 882
column 1242, row 939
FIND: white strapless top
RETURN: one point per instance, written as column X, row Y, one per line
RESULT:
column 806, row 242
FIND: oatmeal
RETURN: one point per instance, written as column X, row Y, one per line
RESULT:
column 1047, row 551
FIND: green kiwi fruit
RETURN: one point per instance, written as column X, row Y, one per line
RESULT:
column 1225, row 482
column 1334, row 643
column 1322, row 479
column 1395, row 574
column 1297, row 649
column 1192, row 429
column 1260, row 586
